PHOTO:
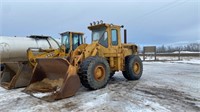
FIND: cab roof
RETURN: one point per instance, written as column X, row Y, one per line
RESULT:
column 98, row 26
column 67, row 32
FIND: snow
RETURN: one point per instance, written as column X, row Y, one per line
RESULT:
column 190, row 61
column 165, row 86
column 156, row 105
column 40, row 95
column 188, row 52
column 183, row 59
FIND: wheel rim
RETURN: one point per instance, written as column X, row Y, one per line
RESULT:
column 99, row 73
column 136, row 68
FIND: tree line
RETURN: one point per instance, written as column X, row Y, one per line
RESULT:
column 192, row 47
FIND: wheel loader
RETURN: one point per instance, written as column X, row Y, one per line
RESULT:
column 18, row 74
column 89, row 64
column 69, row 42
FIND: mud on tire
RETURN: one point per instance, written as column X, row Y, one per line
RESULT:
column 133, row 67
column 94, row 72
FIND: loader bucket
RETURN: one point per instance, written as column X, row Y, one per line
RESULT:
column 53, row 79
column 15, row 75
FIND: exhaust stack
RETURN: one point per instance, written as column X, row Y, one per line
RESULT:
column 125, row 38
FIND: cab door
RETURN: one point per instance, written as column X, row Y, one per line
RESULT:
column 77, row 40
column 65, row 40
column 115, row 46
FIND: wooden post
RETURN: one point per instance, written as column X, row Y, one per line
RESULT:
column 155, row 53
column 143, row 54
column 179, row 54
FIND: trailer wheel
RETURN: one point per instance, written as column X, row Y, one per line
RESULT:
column 94, row 72
column 133, row 67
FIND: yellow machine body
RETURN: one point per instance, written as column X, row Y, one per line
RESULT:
column 106, row 54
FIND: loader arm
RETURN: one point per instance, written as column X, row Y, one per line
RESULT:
column 82, row 52
column 34, row 53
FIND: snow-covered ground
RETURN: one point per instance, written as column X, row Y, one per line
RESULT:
column 173, row 58
column 189, row 61
column 189, row 52
column 164, row 87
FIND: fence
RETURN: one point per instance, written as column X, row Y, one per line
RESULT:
column 149, row 54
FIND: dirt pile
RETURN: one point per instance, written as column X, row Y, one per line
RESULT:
column 46, row 85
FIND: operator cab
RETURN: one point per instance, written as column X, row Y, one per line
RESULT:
column 101, row 36
column 71, row 40
column 106, row 34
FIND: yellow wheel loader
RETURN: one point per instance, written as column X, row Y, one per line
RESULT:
column 69, row 42
column 18, row 74
column 89, row 64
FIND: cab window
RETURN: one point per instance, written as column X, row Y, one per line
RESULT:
column 98, row 33
column 104, row 40
column 65, row 41
column 77, row 40
column 114, row 37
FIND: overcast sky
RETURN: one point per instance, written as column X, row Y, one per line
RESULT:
column 148, row 22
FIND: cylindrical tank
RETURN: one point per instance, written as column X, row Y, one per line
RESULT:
column 14, row 49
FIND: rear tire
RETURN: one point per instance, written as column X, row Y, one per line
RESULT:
column 133, row 67
column 94, row 72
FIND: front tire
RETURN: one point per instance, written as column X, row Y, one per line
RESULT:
column 133, row 67
column 94, row 72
